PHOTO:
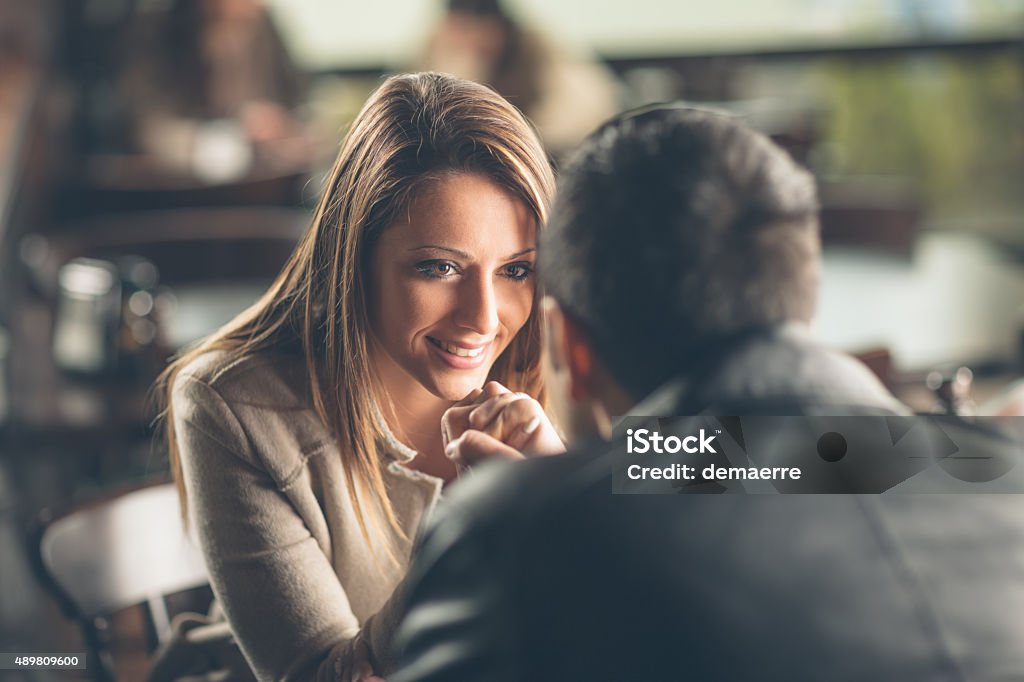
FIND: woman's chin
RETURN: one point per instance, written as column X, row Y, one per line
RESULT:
column 454, row 389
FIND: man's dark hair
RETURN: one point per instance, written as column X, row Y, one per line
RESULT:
column 674, row 231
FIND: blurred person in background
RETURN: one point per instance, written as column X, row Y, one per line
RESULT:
column 210, row 89
column 306, row 435
column 563, row 93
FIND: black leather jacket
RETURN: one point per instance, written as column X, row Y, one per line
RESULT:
column 534, row 571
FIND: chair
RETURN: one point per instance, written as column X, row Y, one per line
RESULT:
column 125, row 549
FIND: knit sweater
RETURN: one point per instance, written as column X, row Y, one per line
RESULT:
column 270, row 505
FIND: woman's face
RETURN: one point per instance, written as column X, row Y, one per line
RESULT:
column 452, row 284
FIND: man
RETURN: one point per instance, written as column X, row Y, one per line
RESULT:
column 683, row 255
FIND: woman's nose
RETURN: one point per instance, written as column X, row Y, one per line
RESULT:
column 477, row 305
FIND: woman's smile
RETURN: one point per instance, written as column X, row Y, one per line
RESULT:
column 460, row 355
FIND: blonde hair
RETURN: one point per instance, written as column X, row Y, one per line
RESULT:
column 412, row 129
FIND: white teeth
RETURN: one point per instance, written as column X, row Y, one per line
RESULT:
column 461, row 352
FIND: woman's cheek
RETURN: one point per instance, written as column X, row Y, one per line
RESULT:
column 427, row 301
column 519, row 305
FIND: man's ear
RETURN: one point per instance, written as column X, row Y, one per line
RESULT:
column 581, row 362
column 569, row 350
column 594, row 393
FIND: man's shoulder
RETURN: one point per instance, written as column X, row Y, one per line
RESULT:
column 467, row 579
column 497, row 508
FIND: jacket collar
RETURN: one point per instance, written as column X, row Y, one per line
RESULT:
column 393, row 448
column 781, row 370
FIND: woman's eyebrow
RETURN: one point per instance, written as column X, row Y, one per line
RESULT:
column 520, row 253
column 435, row 247
column 463, row 254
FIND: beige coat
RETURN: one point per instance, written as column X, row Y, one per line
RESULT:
column 270, row 506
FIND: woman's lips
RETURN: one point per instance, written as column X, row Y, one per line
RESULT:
column 459, row 355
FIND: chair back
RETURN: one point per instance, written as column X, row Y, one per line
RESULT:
column 120, row 551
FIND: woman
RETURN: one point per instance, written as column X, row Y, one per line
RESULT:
column 305, row 436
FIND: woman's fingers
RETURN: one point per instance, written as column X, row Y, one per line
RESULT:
column 523, row 419
column 519, row 421
column 473, row 447
column 529, row 429
column 472, row 398
column 486, row 411
column 455, row 420
column 492, row 389
column 362, row 671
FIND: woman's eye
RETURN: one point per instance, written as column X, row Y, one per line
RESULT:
column 518, row 271
column 438, row 269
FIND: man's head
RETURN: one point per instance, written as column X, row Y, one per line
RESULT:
column 673, row 231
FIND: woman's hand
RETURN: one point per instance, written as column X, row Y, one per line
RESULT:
column 495, row 422
column 362, row 670
column 518, row 421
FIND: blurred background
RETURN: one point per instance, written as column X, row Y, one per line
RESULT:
column 160, row 158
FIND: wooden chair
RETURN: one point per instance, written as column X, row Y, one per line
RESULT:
column 124, row 549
